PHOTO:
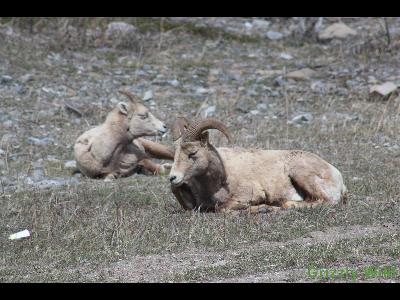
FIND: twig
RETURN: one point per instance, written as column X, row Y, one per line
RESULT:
column 387, row 31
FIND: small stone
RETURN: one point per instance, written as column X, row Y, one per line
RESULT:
column 383, row 89
column 174, row 83
column 337, row 30
column 208, row 111
column 201, row 90
column 44, row 141
column 303, row 74
column 8, row 124
column 285, row 56
column 26, row 78
column 5, row 79
column 70, row 164
column 2, row 152
column 262, row 106
column 274, row 35
column 148, row 95
column 248, row 25
column 121, row 34
column 242, row 106
column 254, row 112
column 260, row 24
column 302, row 118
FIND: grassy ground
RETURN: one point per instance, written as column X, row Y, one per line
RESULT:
column 134, row 230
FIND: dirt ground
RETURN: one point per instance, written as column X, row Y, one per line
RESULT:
column 56, row 81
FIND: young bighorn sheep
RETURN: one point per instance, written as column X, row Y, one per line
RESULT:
column 229, row 179
column 115, row 148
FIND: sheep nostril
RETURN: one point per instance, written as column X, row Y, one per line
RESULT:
column 172, row 178
column 165, row 126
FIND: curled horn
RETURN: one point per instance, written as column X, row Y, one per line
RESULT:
column 131, row 97
column 179, row 127
column 194, row 131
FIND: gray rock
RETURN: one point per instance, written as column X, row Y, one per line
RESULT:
column 201, row 90
column 148, row 95
column 174, row 83
column 254, row 112
column 2, row 152
column 262, row 107
column 285, row 56
column 8, row 124
column 208, row 111
column 122, row 35
column 242, row 106
column 260, row 24
column 40, row 141
column 301, row 119
column 46, row 183
column 26, row 78
column 70, row 164
column 5, row 79
column 274, row 35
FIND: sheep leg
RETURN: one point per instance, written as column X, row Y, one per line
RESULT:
column 263, row 208
column 312, row 188
column 289, row 203
column 156, row 150
column 154, row 168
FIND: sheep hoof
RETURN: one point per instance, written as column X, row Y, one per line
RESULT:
column 109, row 178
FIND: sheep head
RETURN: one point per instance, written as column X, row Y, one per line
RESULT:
column 140, row 121
column 193, row 153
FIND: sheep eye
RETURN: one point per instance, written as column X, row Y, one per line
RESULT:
column 143, row 116
column 192, row 155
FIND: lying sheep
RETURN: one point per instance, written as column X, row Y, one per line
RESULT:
column 230, row 179
column 115, row 148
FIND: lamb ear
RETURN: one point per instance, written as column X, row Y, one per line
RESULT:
column 123, row 108
column 204, row 139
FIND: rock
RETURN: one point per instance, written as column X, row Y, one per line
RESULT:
column 122, row 35
column 5, row 79
column 70, row 164
column 242, row 106
column 148, row 95
column 26, row 78
column 208, row 111
column 260, row 24
column 262, row 107
column 384, row 89
column 201, row 90
column 274, row 35
column 174, row 83
column 285, row 56
column 46, row 183
column 248, row 25
column 8, row 124
column 303, row 74
column 337, row 30
column 44, row 141
column 301, row 119
column 2, row 152
column 254, row 112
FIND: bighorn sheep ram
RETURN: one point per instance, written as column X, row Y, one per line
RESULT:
column 115, row 148
column 206, row 178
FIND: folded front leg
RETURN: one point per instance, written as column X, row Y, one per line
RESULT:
column 155, row 150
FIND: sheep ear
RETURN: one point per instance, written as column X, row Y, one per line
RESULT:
column 123, row 108
column 204, row 139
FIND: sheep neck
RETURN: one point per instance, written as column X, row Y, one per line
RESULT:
column 207, row 191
